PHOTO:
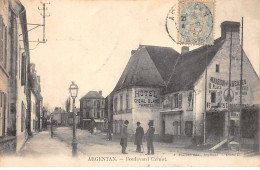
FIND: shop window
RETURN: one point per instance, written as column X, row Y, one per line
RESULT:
column 213, row 97
column 217, row 68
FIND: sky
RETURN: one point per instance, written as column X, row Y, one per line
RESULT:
column 90, row 42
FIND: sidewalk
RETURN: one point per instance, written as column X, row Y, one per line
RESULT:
column 41, row 144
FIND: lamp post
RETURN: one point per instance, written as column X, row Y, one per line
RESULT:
column 73, row 93
column 51, row 125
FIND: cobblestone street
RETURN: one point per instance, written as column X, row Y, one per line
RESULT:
column 93, row 148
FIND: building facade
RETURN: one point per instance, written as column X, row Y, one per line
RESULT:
column 92, row 107
column 137, row 95
column 187, row 94
column 36, row 91
column 14, row 75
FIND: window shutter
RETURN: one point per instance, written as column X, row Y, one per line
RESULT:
column 180, row 100
column 23, row 70
column 5, row 60
column 1, row 39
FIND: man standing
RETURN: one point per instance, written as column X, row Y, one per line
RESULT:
column 124, row 134
column 109, row 130
column 149, row 138
column 139, row 134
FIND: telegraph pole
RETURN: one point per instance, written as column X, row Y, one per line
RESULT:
column 43, row 25
column 229, row 84
column 43, row 14
column 205, row 108
column 241, row 79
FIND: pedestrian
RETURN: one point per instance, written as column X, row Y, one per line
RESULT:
column 139, row 134
column 92, row 125
column 124, row 134
column 149, row 138
column 109, row 131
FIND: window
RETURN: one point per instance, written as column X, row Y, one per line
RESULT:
column 1, row 99
column 180, row 101
column 176, row 101
column 217, row 68
column 98, row 104
column 5, row 59
column 121, row 102
column 23, row 69
column 23, row 117
column 127, row 100
column 213, row 97
column 115, row 104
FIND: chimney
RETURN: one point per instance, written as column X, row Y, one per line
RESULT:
column 100, row 92
column 227, row 27
column 133, row 52
column 32, row 68
column 184, row 49
column 39, row 79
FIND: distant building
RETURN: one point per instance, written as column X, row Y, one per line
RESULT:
column 34, row 118
column 36, row 95
column 92, row 106
column 60, row 116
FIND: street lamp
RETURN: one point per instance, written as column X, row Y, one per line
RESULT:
column 51, row 125
column 73, row 93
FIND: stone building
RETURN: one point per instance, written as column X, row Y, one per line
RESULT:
column 137, row 95
column 15, row 59
column 36, row 92
column 174, row 91
column 185, row 101
column 15, row 93
column 92, row 107
column 4, row 66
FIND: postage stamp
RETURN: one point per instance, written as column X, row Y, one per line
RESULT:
column 196, row 22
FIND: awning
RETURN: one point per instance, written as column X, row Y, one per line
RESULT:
column 99, row 120
column 86, row 119
column 171, row 112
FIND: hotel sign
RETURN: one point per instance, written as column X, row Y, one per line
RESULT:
column 146, row 97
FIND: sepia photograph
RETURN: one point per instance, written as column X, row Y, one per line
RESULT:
column 129, row 83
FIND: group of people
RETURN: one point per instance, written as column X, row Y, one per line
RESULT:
column 139, row 135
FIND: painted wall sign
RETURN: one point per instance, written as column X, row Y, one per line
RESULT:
column 218, row 89
column 146, row 97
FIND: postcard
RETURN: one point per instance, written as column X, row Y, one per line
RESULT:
column 133, row 83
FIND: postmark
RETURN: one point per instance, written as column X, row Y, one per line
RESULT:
column 171, row 23
column 196, row 22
